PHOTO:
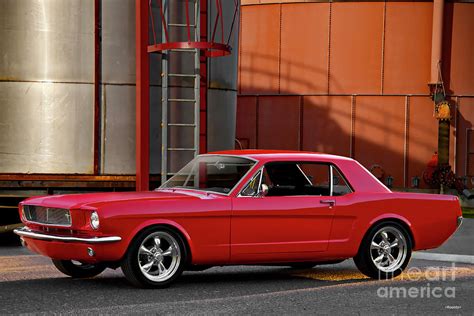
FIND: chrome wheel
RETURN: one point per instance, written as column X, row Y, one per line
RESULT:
column 388, row 249
column 159, row 256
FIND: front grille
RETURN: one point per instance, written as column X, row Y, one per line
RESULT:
column 47, row 215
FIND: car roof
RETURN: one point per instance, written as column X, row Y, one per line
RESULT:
column 285, row 154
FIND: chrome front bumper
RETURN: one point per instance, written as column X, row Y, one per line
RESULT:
column 25, row 232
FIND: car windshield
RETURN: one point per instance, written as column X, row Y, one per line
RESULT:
column 211, row 173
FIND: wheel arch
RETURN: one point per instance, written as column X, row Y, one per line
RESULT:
column 405, row 223
column 171, row 225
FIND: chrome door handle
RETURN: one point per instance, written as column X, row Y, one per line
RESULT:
column 330, row 202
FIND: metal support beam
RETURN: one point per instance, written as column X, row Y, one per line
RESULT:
column 97, row 83
column 142, row 97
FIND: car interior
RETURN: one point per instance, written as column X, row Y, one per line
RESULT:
column 294, row 179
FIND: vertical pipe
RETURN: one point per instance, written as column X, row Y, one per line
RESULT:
column 203, row 79
column 97, row 83
column 301, row 126
column 142, row 97
column 329, row 47
column 165, row 64
column 257, row 121
column 406, row 144
column 353, row 122
column 197, row 84
column 436, row 40
column 455, row 164
column 279, row 49
column 384, row 27
column 435, row 82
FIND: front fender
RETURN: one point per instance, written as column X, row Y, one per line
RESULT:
column 153, row 222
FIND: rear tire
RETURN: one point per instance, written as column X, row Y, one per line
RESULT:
column 155, row 258
column 385, row 251
column 78, row 270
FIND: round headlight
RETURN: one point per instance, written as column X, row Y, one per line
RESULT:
column 95, row 220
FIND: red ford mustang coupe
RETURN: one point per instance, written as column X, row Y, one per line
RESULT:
column 241, row 207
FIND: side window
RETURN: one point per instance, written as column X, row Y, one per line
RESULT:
column 252, row 187
column 340, row 186
column 298, row 178
column 318, row 175
column 293, row 178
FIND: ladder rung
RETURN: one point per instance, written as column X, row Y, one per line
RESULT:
column 182, row 124
column 191, row 50
column 182, row 100
column 181, row 149
column 181, row 25
column 182, row 75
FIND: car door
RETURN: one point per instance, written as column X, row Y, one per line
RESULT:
column 293, row 221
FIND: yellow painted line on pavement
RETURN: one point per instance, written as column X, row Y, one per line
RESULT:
column 411, row 274
column 24, row 268
column 328, row 275
column 20, row 256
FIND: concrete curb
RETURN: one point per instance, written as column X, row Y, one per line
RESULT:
column 443, row 257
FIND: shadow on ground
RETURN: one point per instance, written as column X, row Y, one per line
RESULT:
column 9, row 240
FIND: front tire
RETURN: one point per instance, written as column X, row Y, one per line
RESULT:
column 385, row 251
column 155, row 258
column 77, row 269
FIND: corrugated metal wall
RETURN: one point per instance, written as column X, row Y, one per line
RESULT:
column 351, row 78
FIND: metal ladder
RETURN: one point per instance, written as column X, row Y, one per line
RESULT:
column 167, row 102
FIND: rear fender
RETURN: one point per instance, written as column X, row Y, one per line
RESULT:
column 396, row 217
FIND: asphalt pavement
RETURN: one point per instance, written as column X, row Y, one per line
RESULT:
column 30, row 284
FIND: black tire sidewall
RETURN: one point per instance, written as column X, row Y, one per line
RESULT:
column 69, row 268
column 364, row 261
column 130, row 264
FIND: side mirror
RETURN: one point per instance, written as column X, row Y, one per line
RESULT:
column 263, row 190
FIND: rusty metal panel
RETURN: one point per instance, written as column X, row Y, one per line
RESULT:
column 327, row 124
column 278, row 122
column 46, row 128
column 246, row 131
column 304, row 54
column 407, row 47
column 356, row 47
column 259, row 49
column 46, row 40
column 461, row 67
column 380, row 134
column 422, row 136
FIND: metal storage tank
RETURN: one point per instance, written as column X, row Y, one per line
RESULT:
column 46, row 95
column 47, row 88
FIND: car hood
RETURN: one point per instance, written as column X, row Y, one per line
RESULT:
column 75, row 201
